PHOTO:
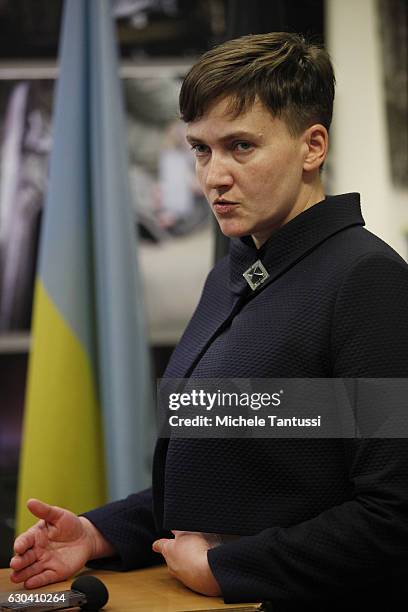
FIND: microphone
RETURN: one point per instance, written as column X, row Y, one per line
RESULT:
column 87, row 593
column 95, row 592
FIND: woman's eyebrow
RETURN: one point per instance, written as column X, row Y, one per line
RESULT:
column 227, row 137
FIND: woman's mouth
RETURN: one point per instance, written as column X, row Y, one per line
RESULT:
column 224, row 206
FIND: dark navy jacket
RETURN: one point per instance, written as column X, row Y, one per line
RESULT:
column 320, row 518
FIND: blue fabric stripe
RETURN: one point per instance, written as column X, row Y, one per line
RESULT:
column 65, row 266
column 123, row 359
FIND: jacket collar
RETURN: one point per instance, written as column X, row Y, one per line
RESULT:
column 293, row 241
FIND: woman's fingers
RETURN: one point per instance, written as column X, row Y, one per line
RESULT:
column 39, row 580
column 26, row 540
column 47, row 514
column 159, row 546
column 19, row 562
column 44, row 511
column 27, row 572
column 23, row 543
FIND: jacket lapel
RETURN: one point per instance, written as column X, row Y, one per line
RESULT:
column 216, row 309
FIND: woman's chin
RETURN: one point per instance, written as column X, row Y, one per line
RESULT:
column 233, row 231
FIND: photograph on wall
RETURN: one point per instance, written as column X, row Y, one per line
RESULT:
column 171, row 217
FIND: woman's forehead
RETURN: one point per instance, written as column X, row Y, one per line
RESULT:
column 220, row 122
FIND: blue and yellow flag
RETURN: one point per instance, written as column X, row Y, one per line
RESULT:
column 84, row 435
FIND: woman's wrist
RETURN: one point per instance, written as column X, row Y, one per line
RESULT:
column 99, row 547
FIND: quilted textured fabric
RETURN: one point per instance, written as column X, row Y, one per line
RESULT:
column 320, row 519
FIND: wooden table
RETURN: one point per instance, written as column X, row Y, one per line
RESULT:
column 147, row 590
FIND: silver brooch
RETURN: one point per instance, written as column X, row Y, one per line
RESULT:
column 256, row 275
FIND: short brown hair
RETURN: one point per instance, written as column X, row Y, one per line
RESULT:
column 293, row 78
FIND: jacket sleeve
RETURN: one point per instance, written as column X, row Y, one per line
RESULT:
column 129, row 526
column 359, row 544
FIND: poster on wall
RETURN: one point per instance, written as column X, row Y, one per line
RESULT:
column 171, row 216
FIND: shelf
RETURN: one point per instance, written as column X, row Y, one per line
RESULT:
column 37, row 69
column 18, row 342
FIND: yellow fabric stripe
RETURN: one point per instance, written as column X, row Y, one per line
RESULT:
column 61, row 460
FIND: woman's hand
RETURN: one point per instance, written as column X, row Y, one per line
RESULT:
column 56, row 547
column 186, row 558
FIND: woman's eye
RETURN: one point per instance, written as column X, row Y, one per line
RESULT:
column 200, row 149
column 242, row 147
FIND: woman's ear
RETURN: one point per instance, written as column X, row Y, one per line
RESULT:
column 316, row 139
